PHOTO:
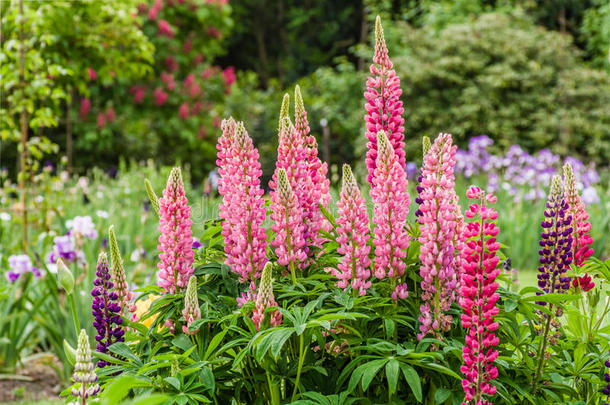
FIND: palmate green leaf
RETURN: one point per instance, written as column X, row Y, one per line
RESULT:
column 216, row 340
column 441, row 395
column 278, row 340
column 412, row 379
column 553, row 298
column 392, row 368
column 123, row 350
column 120, row 387
column 365, row 373
column 174, row 382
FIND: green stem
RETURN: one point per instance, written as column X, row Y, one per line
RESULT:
column 300, row 367
column 274, row 391
column 74, row 314
column 293, row 273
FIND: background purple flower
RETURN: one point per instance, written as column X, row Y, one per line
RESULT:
column 20, row 264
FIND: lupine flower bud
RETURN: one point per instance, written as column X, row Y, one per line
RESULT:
column 243, row 207
column 65, row 277
column 265, row 299
column 426, row 145
column 106, row 309
column 284, row 110
column 438, row 232
column 478, row 298
column 353, row 231
column 191, row 311
column 176, row 240
column 154, row 200
column 581, row 246
column 118, row 273
column 391, row 199
column 384, row 108
column 84, row 375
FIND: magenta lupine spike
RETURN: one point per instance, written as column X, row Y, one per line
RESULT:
column 317, row 171
column 383, row 107
column 243, row 207
column 265, row 299
column 292, row 159
column 459, row 239
column 391, row 201
column 176, row 239
column 478, row 298
column 438, row 223
column 353, row 236
column 191, row 311
column 288, row 226
column 581, row 245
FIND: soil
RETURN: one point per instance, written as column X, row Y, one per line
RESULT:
column 36, row 381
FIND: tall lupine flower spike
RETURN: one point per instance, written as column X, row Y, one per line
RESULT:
column 317, row 171
column 478, row 298
column 176, row 240
column 383, row 107
column 606, row 389
column 426, row 145
column 438, row 225
column 284, row 110
column 265, row 299
column 191, row 311
column 84, row 375
column 154, row 200
column 581, row 246
column 353, row 231
column 118, row 274
column 555, row 259
column 242, row 207
column 391, row 201
column 288, row 226
column 106, row 309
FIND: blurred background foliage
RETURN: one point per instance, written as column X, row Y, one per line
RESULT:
column 137, row 79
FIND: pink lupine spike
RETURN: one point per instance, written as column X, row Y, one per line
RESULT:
column 582, row 241
column 265, row 299
column 289, row 244
column 391, row 199
column 176, row 240
column 438, row 234
column 243, row 207
column 478, row 298
column 353, row 231
column 383, row 106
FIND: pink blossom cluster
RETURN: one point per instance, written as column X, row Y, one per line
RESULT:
column 391, row 207
column 438, row 233
column 582, row 241
column 266, row 299
column 243, row 207
column 384, row 108
column 353, row 237
column 478, row 299
column 176, row 240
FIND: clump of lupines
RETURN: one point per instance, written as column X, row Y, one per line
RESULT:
column 176, row 240
column 84, row 375
column 191, row 311
column 555, row 259
column 243, row 207
column 353, row 235
column 106, row 309
column 426, row 145
column 438, row 234
column 391, row 200
column 478, row 298
column 288, row 225
column 581, row 244
column 266, row 299
column 316, row 171
column 118, row 274
column 383, row 106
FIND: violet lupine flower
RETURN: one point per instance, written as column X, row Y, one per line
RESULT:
column 20, row 264
column 353, row 231
column 438, row 225
column 317, row 172
column 84, row 375
column 119, row 279
column 606, row 389
column 555, row 242
column 383, row 107
column 191, row 311
column 391, row 201
column 581, row 246
column 478, row 298
column 106, row 310
column 243, row 206
column 176, row 240
column 426, row 145
column 266, row 299
column 288, row 225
